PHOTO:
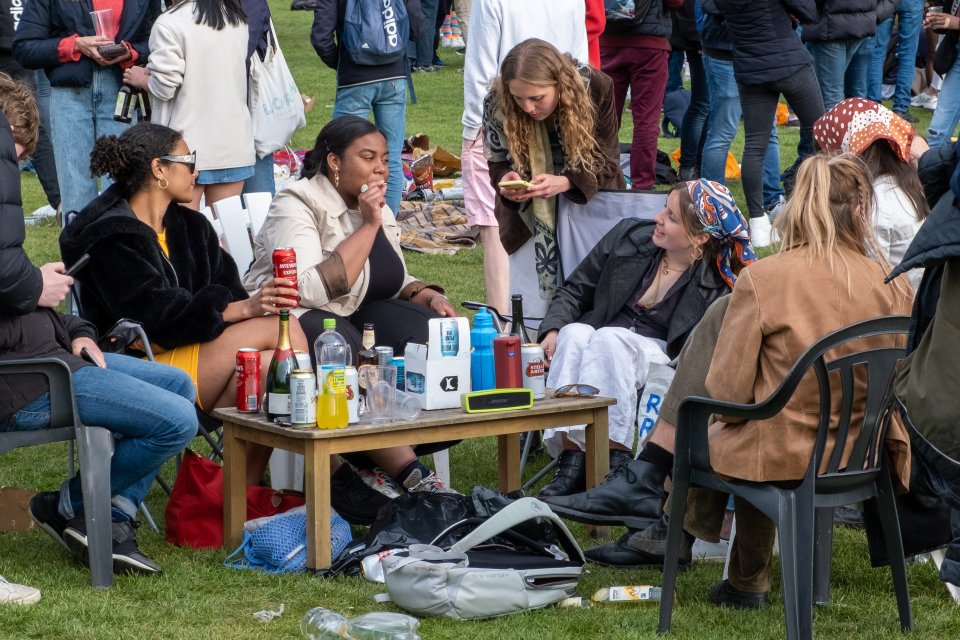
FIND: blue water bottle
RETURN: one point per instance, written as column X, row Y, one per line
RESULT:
column 481, row 358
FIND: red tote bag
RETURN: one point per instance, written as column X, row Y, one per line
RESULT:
column 195, row 510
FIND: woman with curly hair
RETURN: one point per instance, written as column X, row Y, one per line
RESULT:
column 551, row 121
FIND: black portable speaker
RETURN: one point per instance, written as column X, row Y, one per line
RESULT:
column 496, row 400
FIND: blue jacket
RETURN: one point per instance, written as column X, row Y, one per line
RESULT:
column 765, row 46
column 714, row 34
column 46, row 22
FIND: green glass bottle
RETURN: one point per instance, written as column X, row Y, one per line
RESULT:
column 284, row 361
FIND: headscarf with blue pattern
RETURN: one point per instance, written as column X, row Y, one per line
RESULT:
column 722, row 219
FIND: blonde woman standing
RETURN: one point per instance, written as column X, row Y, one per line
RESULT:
column 551, row 121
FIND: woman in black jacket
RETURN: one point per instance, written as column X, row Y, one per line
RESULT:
column 768, row 60
column 58, row 36
column 632, row 302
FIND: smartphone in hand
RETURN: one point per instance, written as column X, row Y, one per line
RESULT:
column 87, row 355
column 76, row 266
column 514, row 184
column 111, row 51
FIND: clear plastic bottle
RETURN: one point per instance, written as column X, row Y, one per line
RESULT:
column 333, row 354
column 615, row 595
column 323, row 624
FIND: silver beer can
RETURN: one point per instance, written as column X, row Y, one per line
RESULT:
column 353, row 394
column 385, row 354
column 532, row 364
column 303, row 360
column 449, row 338
column 303, row 397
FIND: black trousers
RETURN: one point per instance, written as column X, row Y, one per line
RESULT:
column 396, row 323
column 759, row 102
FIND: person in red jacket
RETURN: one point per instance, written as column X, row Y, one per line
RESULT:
column 596, row 22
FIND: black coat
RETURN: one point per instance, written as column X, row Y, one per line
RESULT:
column 657, row 22
column 326, row 38
column 179, row 300
column 20, row 288
column 683, row 35
column 765, row 46
column 847, row 20
column 46, row 22
column 602, row 284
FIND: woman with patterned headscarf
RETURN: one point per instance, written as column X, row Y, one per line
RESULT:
column 633, row 301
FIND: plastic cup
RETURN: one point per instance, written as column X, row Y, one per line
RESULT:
column 407, row 406
column 934, row 9
column 381, row 383
column 103, row 24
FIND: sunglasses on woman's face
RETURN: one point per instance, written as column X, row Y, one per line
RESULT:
column 576, row 391
column 190, row 160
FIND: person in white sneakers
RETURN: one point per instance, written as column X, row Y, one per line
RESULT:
column 11, row 593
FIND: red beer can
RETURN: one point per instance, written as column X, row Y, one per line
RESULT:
column 506, row 362
column 248, row 380
column 285, row 266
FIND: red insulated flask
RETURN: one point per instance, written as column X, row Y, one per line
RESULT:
column 506, row 359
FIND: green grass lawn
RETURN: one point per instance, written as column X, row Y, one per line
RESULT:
column 197, row 597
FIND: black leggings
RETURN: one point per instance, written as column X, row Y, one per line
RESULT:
column 396, row 323
column 759, row 102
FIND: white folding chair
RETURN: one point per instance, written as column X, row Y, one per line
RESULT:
column 236, row 233
column 257, row 205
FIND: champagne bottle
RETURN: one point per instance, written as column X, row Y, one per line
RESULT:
column 368, row 355
column 278, row 376
column 517, row 327
column 126, row 104
column 144, row 108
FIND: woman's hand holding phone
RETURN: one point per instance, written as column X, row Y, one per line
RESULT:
column 513, row 187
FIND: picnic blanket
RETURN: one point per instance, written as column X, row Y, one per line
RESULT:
column 435, row 227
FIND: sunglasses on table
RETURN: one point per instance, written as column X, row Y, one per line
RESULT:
column 576, row 391
column 190, row 160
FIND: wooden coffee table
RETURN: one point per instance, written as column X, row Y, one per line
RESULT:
column 317, row 445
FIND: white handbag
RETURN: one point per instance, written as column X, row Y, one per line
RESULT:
column 467, row 583
column 274, row 100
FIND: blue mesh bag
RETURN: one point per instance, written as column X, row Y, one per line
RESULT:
column 279, row 545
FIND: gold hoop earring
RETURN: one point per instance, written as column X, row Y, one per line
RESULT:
column 336, row 178
column 164, row 185
column 697, row 252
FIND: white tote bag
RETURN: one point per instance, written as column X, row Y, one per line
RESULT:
column 274, row 100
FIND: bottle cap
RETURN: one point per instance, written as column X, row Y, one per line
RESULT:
column 482, row 319
column 329, row 323
column 284, row 314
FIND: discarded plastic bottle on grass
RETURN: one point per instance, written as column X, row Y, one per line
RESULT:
column 323, row 624
column 615, row 595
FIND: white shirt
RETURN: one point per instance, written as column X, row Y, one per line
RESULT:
column 896, row 223
column 496, row 26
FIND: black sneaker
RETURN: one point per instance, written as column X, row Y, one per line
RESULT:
column 724, row 594
column 127, row 557
column 909, row 117
column 44, row 511
column 353, row 499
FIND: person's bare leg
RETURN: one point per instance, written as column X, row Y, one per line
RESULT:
column 496, row 269
column 216, row 371
column 392, row 460
column 198, row 190
column 222, row 191
column 570, row 445
column 664, row 435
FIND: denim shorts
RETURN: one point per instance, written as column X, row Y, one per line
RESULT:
column 219, row 176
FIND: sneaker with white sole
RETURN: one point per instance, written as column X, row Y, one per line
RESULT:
column 127, row 557
column 760, row 232
column 378, row 480
column 774, row 208
column 416, row 483
column 925, row 100
column 11, row 593
column 44, row 511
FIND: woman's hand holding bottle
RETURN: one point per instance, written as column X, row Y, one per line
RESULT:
column 372, row 199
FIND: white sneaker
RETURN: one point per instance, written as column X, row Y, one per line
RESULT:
column 760, row 230
column 378, row 480
column 11, row 593
column 774, row 209
column 887, row 91
column 431, row 484
column 925, row 100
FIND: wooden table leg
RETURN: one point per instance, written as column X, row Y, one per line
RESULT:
column 508, row 453
column 316, row 486
column 597, row 441
column 234, row 487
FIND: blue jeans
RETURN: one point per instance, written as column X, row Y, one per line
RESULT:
column 78, row 116
column 149, row 408
column 725, row 112
column 831, row 61
column 947, row 113
column 420, row 52
column 43, row 159
column 691, row 130
column 674, row 71
column 910, row 14
column 262, row 179
column 857, row 80
column 388, row 99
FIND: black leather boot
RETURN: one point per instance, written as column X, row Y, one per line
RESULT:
column 569, row 477
column 632, row 495
column 642, row 548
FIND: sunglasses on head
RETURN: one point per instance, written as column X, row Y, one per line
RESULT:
column 190, row 160
column 576, row 391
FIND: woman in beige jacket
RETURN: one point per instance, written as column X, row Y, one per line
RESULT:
column 349, row 262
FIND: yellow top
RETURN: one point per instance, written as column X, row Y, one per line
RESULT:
column 162, row 239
